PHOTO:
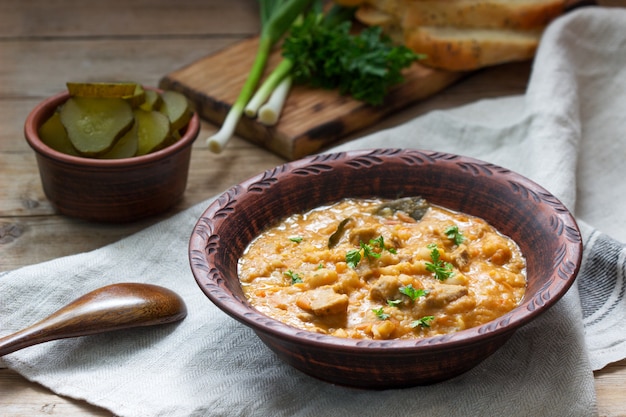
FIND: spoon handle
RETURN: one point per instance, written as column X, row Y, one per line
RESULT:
column 114, row 307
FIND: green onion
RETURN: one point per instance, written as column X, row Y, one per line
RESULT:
column 269, row 87
column 276, row 18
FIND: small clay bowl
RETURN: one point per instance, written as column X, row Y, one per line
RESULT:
column 544, row 229
column 110, row 190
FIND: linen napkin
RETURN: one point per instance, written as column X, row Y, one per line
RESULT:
column 564, row 133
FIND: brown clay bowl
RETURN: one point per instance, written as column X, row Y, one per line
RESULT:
column 535, row 219
column 110, row 190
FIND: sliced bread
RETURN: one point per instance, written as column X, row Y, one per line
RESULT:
column 463, row 34
column 461, row 49
column 492, row 14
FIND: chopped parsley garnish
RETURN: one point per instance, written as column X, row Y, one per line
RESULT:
column 455, row 234
column 369, row 251
column 423, row 322
column 380, row 313
column 295, row 278
column 442, row 270
column 296, row 239
column 380, row 242
column 353, row 257
column 412, row 293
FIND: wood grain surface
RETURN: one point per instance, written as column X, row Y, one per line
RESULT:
column 45, row 43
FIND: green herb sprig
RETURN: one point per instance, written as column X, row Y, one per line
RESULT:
column 413, row 293
column 442, row 270
column 353, row 257
column 380, row 242
column 425, row 321
column 455, row 234
column 295, row 278
column 380, row 313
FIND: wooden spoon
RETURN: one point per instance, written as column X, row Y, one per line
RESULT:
column 114, row 307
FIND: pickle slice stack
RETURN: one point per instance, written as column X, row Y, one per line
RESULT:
column 115, row 120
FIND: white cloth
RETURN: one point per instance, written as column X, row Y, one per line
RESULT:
column 565, row 133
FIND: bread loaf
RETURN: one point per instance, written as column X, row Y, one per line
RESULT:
column 462, row 34
column 465, row 49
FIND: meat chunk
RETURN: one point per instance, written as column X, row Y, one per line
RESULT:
column 323, row 301
column 387, row 287
column 460, row 257
column 444, row 294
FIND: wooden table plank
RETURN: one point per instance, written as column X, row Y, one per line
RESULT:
column 123, row 18
column 23, row 398
column 44, row 66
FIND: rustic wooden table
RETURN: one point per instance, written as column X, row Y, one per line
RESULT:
column 45, row 43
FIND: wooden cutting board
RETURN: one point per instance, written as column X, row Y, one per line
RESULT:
column 311, row 119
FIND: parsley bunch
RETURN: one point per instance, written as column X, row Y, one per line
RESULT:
column 328, row 56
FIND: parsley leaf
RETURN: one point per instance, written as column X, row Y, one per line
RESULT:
column 453, row 233
column 369, row 251
column 295, row 278
column 423, row 322
column 380, row 313
column 380, row 242
column 296, row 239
column 442, row 270
column 353, row 257
column 412, row 293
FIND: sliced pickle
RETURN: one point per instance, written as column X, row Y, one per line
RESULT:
column 53, row 134
column 176, row 108
column 102, row 90
column 153, row 101
column 113, row 120
column 153, row 131
column 126, row 147
column 137, row 98
column 94, row 125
